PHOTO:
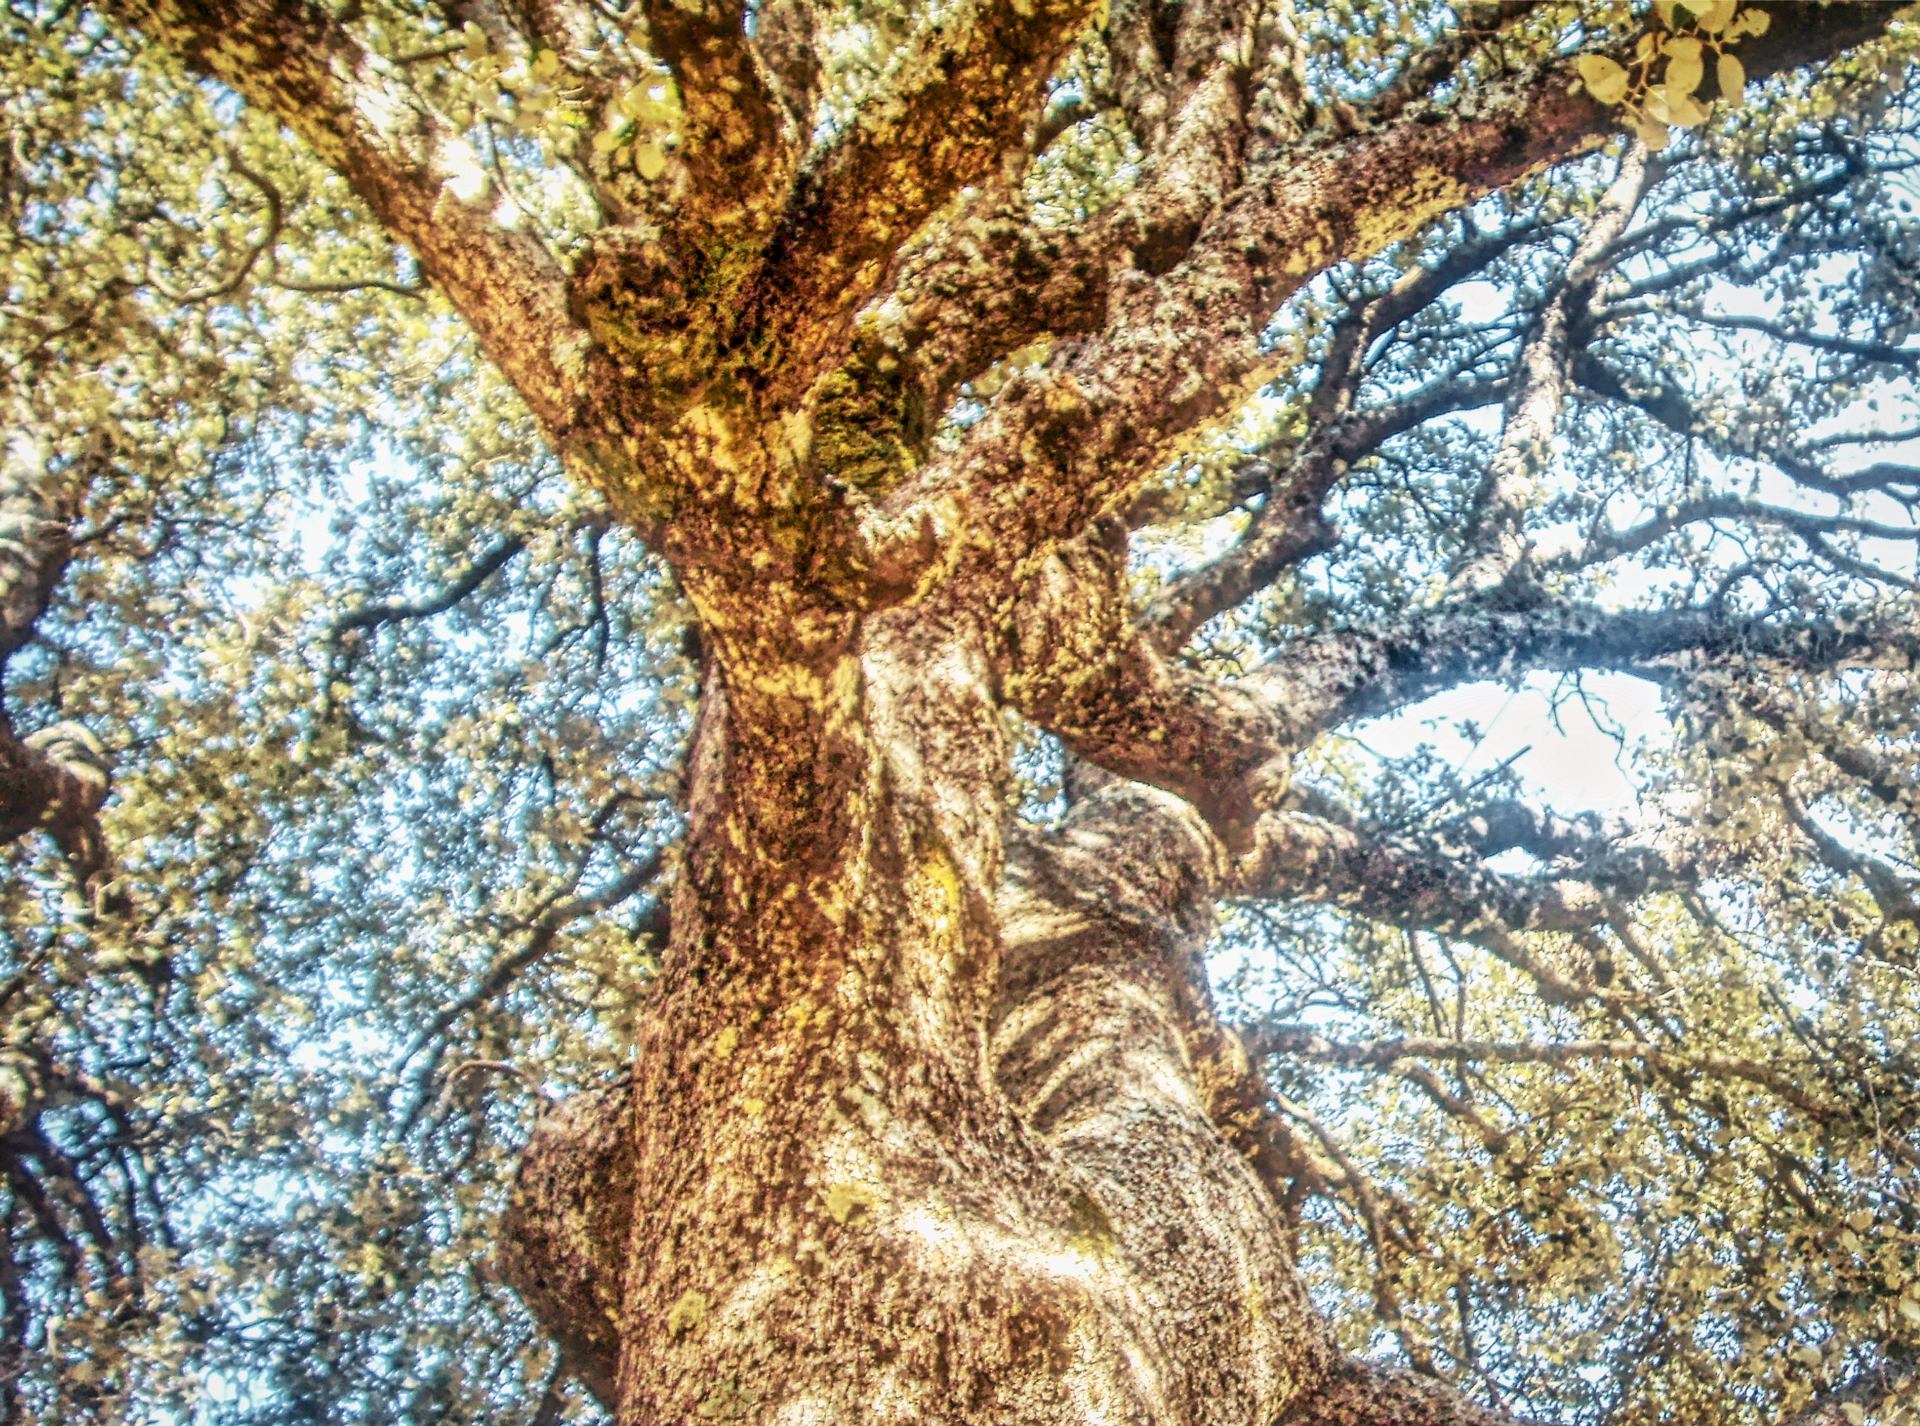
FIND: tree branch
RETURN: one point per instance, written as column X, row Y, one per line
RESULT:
column 1303, row 1040
column 1311, row 859
column 740, row 145
column 1671, row 409
column 1078, row 668
column 961, row 97
column 423, row 181
column 1494, row 548
column 1323, row 680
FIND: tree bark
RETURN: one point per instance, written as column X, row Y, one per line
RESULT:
column 913, row 1139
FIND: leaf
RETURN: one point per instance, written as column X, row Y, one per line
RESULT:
column 1606, row 80
column 1855, row 1413
column 1685, row 69
column 650, row 160
column 1650, row 132
column 1717, row 16
column 1685, row 111
column 1733, row 80
column 1664, row 9
column 1752, row 22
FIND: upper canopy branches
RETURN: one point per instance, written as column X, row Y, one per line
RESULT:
column 743, row 254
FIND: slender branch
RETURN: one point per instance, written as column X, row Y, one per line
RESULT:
column 1307, row 1042
column 1494, row 548
column 541, row 937
column 1613, row 544
column 1479, row 24
column 1291, row 524
column 374, row 614
column 1881, row 352
column 1670, row 408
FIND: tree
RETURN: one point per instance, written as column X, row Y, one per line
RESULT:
column 956, row 479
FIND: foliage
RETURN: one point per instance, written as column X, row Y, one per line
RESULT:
column 396, row 714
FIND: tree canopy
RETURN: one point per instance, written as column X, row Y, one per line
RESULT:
column 352, row 652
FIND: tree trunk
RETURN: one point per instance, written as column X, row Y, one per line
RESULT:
column 916, row 1135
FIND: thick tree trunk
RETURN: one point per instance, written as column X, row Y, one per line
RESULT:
column 914, row 1137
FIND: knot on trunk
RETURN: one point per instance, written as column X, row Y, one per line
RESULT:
column 563, row 1240
column 869, row 426
column 642, row 303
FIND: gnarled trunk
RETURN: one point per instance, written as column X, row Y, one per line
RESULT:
column 923, row 1126
column 917, row 1135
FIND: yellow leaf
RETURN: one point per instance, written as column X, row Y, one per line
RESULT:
column 1684, row 67
column 1855, row 1413
column 1664, row 9
column 1733, row 80
column 1752, row 22
column 1716, row 16
column 1606, row 81
column 1650, row 132
column 650, row 159
column 1685, row 110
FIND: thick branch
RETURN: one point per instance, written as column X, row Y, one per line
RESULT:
column 57, row 780
column 35, row 513
column 995, row 277
column 423, row 181
column 740, row 148
column 1310, row 859
column 1079, row 669
column 1327, row 679
column 961, row 98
